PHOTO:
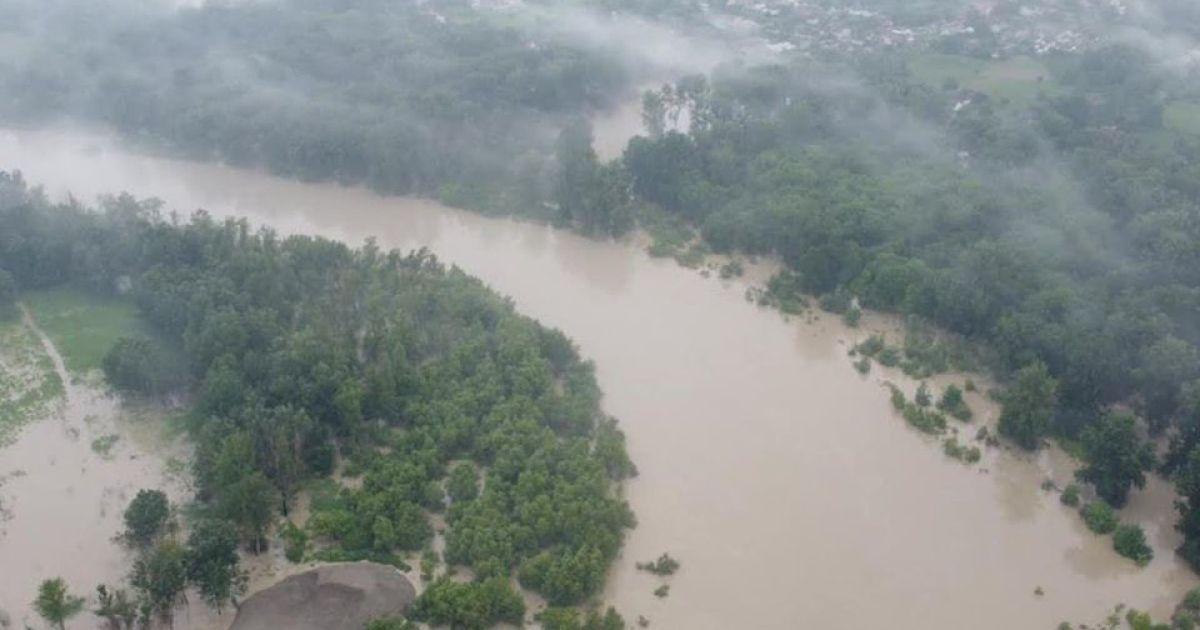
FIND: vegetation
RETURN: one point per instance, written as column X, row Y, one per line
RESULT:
column 1070, row 495
column 82, row 319
column 952, row 402
column 1130, row 541
column 146, row 517
column 1099, row 517
column 1029, row 406
column 299, row 348
column 142, row 366
column 55, row 604
column 8, row 296
column 471, row 606
column 664, row 565
column 574, row 619
column 1115, row 457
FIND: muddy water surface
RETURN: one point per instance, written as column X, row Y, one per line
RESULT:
column 779, row 476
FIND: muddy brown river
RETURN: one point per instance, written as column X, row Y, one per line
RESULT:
column 779, row 476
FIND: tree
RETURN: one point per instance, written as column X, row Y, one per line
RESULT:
column 115, row 607
column 250, row 503
column 160, row 577
column 1188, row 505
column 55, row 604
column 463, row 484
column 212, row 563
column 1116, row 458
column 1029, row 405
column 1130, row 541
column 141, row 366
column 146, row 516
column 8, row 295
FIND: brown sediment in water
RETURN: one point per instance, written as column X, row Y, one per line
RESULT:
column 779, row 476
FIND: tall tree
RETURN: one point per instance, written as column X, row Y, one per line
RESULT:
column 1029, row 405
column 1116, row 457
column 212, row 563
column 160, row 578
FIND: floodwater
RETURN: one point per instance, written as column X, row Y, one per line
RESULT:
column 64, row 499
column 778, row 476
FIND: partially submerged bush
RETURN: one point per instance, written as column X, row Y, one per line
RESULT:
column 1070, row 495
column 664, row 565
column 952, row 402
column 1130, row 541
column 1100, row 517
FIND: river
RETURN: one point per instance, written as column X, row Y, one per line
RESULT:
column 778, row 476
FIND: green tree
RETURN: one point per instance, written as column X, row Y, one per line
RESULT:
column 142, row 366
column 463, row 484
column 160, row 578
column 1130, row 541
column 8, row 295
column 1188, row 485
column 146, row 517
column 55, row 604
column 1029, row 405
column 250, row 503
column 1115, row 457
column 212, row 563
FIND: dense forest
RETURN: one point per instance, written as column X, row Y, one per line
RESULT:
column 302, row 354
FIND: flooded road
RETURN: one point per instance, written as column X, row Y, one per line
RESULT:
column 64, row 495
column 778, row 476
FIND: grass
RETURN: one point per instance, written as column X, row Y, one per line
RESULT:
column 83, row 325
column 1183, row 117
column 1017, row 80
column 28, row 383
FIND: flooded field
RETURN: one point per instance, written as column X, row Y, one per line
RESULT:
column 779, row 476
column 64, row 481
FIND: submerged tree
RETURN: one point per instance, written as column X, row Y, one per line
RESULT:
column 146, row 516
column 55, row 604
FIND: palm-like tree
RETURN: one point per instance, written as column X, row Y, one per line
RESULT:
column 55, row 604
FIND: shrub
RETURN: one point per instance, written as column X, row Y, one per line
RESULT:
column 952, row 402
column 664, row 565
column 1130, row 541
column 295, row 542
column 872, row 346
column 922, row 397
column 1070, row 495
column 1100, row 517
column 863, row 365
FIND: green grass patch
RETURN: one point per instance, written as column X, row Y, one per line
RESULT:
column 1183, row 117
column 82, row 325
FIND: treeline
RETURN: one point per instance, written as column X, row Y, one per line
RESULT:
column 301, row 352
column 407, row 97
column 1063, row 235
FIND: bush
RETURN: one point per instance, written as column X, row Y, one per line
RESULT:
column 1130, row 541
column 295, row 542
column 1100, row 517
column 471, row 606
column 872, row 346
column 146, row 516
column 922, row 397
column 1070, row 495
column 665, row 565
column 952, row 402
